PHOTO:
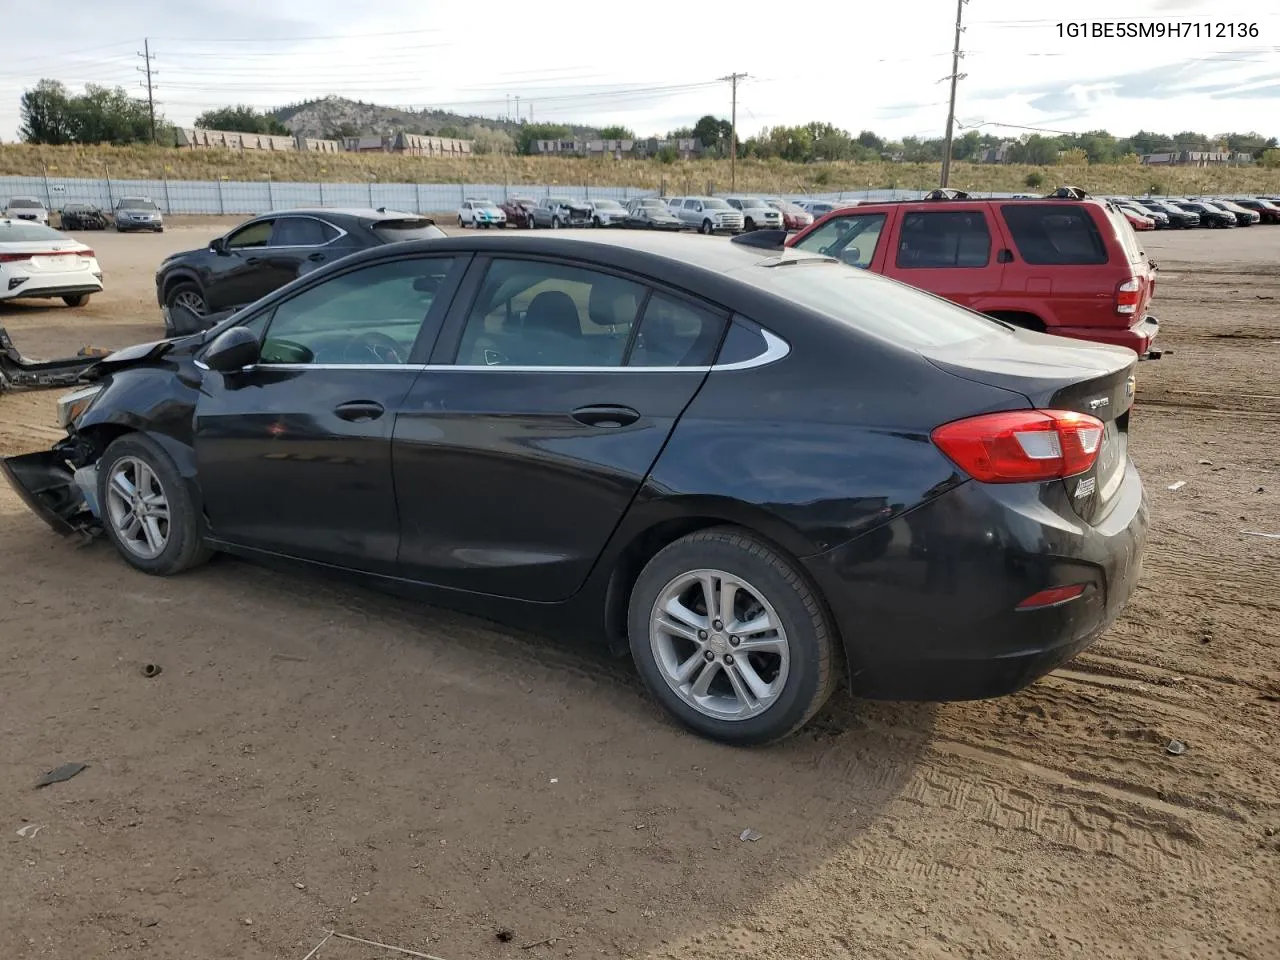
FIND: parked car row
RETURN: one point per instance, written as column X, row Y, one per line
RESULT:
column 1187, row 212
column 706, row 214
column 130, row 213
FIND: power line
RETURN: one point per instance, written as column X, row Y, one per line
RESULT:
column 955, row 77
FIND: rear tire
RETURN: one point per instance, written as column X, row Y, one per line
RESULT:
column 775, row 688
column 158, row 531
column 76, row 300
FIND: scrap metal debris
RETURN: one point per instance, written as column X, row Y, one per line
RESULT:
column 749, row 834
column 60, row 774
column 29, row 831
column 384, row 946
column 1175, row 747
column 151, row 670
column 1259, row 533
column 1178, row 485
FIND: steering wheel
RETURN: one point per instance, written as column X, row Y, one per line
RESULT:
column 372, row 346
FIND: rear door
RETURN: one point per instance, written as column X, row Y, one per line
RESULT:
column 952, row 253
column 552, row 391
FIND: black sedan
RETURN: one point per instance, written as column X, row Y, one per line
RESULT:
column 1210, row 215
column 651, row 214
column 1178, row 218
column 265, row 253
column 753, row 471
column 82, row 216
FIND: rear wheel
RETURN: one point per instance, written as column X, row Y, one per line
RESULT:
column 146, row 509
column 76, row 300
column 730, row 638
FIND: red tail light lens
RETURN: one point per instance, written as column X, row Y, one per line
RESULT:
column 1129, row 295
column 1022, row 446
column 1053, row 597
column 84, row 253
column 14, row 257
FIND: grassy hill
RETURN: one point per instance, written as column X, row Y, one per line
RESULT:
column 774, row 176
column 319, row 118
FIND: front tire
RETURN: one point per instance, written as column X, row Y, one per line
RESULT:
column 706, row 229
column 731, row 639
column 555, row 223
column 147, row 509
column 76, row 300
column 188, row 296
column 749, row 225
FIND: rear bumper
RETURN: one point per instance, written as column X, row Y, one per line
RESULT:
column 44, row 288
column 926, row 604
column 1139, row 338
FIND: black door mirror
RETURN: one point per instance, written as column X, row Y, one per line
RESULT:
column 218, row 246
column 233, row 350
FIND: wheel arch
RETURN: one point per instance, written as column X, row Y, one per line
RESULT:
column 181, row 275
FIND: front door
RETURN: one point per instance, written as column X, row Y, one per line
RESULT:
column 242, row 272
column 857, row 238
column 949, row 252
column 294, row 454
column 552, row 392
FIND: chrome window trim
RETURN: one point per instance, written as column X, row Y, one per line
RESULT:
column 775, row 349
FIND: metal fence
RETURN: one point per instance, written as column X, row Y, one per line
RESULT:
column 261, row 196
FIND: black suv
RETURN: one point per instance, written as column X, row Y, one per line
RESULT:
column 265, row 253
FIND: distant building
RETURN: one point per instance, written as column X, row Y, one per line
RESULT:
column 685, row 147
column 197, row 138
column 1196, row 158
column 413, row 144
column 998, row 154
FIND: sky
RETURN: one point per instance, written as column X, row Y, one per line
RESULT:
column 653, row 67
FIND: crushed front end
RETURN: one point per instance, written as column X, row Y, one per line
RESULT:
column 59, row 485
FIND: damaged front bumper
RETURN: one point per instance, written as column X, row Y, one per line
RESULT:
column 65, row 498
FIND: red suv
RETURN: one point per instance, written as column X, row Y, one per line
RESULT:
column 1070, row 266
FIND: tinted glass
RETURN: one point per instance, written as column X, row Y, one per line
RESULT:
column 301, row 232
column 128, row 204
column 675, row 333
column 743, row 342
column 367, row 316
column 883, row 308
column 21, row 203
column 958, row 238
column 1052, row 233
column 715, row 204
column 691, row 204
column 254, row 235
column 852, row 239
column 21, row 231
column 393, row 231
column 537, row 314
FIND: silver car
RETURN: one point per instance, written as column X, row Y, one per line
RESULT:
column 709, row 215
column 138, row 213
column 756, row 214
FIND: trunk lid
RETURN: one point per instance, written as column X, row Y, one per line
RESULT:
column 1054, row 373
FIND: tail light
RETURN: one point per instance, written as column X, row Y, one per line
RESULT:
column 14, row 257
column 1129, row 296
column 84, row 253
column 1022, row 446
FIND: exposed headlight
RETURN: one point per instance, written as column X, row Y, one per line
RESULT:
column 72, row 406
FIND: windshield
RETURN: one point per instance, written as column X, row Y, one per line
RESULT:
column 23, row 203
column 393, row 231
column 559, row 202
column 653, row 202
column 129, row 204
column 883, row 308
column 22, row 232
column 715, row 203
column 608, row 205
column 487, row 205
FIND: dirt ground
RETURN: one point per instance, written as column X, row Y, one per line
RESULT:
column 315, row 757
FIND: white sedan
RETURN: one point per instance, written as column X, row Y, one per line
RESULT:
column 38, row 261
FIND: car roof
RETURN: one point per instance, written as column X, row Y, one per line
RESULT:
column 359, row 213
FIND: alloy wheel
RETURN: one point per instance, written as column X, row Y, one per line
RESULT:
column 190, row 301
column 138, row 508
column 719, row 644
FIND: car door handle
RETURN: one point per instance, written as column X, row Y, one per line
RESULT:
column 359, row 411
column 606, row 415
column 317, row 257
column 252, row 260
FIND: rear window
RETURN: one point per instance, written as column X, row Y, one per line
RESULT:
column 22, row 232
column 22, row 203
column 393, row 231
column 883, row 308
column 1047, row 233
column 1128, row 239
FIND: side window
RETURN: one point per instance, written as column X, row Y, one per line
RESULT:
column 537, row 314
column 852, row 239
column 691, row 204
column 256, row 234
column 675, row 333
column 301, row 232
column 952, row 238
column 370, row 315
column 743, row 342
column 1054, row 233
column 736, row 204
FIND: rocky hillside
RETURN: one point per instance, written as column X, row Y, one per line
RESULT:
column 338, row 116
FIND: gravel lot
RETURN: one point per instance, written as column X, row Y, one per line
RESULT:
column 317, row 757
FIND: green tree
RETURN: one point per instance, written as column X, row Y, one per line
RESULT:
column 529, row 132
column 46, row 114
column 711, row 132
column 617, row 132
column 241, row 119
column 1270, row 158
column 342, row 131
column 869, row 140
column 1034, row 179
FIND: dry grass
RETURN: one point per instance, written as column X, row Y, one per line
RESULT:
column 154, row 163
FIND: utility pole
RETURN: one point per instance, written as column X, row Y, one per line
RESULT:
column 517, row 108
column 955, row 76
column 151, row 102
column 733, row 79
